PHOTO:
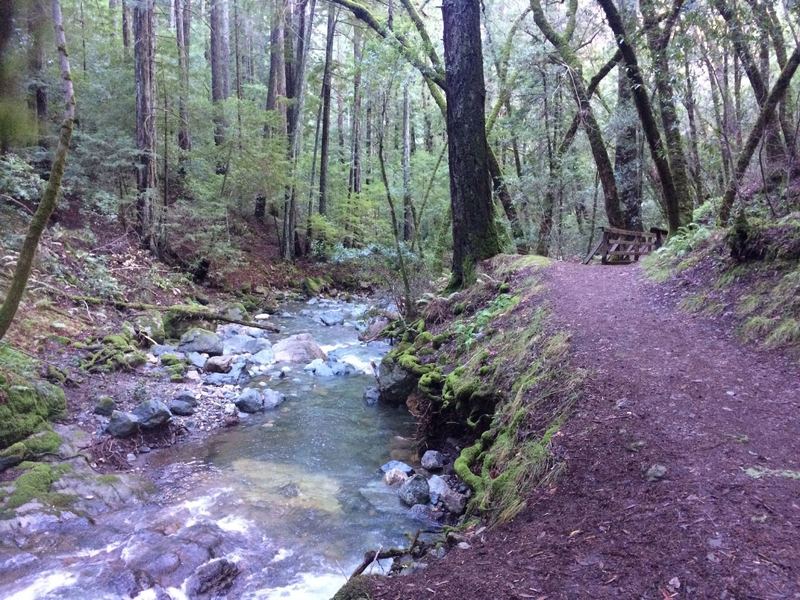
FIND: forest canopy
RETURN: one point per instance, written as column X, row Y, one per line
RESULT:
column 445, row 134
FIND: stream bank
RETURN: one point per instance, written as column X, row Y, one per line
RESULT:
column 275, row 500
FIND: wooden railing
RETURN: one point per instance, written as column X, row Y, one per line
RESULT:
column 622, row 246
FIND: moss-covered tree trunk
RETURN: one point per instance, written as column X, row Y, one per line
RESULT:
column 49, row 200
column 754, row 138
column 474, row 233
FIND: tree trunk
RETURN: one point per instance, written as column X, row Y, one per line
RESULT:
column 37, row 87
column 627, row 159
column 658, row 42
column 326, row 112
column 148, row 215
column 408, row 207
column 47, row 205
column 183, row 15
column 220, row 55
column 126, row 25
column 474, row 232
column 354, row 184
column 672, row 202
column 754, row 138
column 590, row 125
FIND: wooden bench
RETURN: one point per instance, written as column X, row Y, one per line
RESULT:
column 623, row 246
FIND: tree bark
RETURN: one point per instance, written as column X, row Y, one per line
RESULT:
column 326, row 112
column 408, row 207
column 127, row 34
column 474, row 232
column 183, row 15
column 354, row 179
column 220, row 57
column 753, row 139
column 37, row 88
column 672, row 201
column 591, row 127
column 148, row 215
column 49, row 200
column 627, row 158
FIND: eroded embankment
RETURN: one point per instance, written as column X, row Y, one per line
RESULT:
column 489, row 381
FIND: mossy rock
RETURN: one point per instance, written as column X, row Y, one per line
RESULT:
column 178, row 321
column 117, row 352
column 150, row 326
column 27, row 409
column 35, row 484
column 356, row 588
column 169, row 359
column 314, row 286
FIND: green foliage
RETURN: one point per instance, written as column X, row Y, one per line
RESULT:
column 19, row 180
column 35, row 484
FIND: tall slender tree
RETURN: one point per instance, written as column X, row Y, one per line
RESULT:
column 475, row 235
column 220, row 72
column 326, row 111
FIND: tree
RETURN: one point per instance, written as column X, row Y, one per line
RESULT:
column 475, row 236
column 326, row 111
column 220, row 57
column 148, row 214
column 49, row 200
column 183, row 16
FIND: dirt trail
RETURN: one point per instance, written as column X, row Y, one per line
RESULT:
column 664, row 388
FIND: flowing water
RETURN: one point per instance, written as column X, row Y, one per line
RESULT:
column 293, row 496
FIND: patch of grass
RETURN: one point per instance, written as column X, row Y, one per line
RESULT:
column 761, row 472
column 787, row 333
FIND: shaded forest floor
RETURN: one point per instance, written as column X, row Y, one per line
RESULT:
column 682, row 464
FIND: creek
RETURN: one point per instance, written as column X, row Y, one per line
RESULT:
column 292, row 497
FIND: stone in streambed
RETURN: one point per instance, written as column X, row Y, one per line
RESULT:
column 213, row 579
column 187, row 397
column 252, row 400
column 319, row 368
column 105, row 406
column 181, row 408
column 196, row 359
column 371, row 395
column 432, row 460
column 244, row 344
column 454, row 502
column 263, row 357
column 218, row 364
column 122, row 424
column 438, row 488
column 201, row 340
column 396, row 464
column 394, row 382
column 394, row 477
column 414, row 490
column 272, row 399
column 332, row 318
column 151, row 414
column 298, row 348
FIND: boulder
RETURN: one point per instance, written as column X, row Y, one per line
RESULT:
column 104, row 406
column 244, row 344
column 396, row 464
column 151, row 414
column 218, row 364
column 414, row 490
column 187, row 397
column 250, row 401
column 394, row 477
column 200, row 340
column 374, row 328
column 272, row 398
column 432, row 460
column 332, row 318
column 213, row 579
column 159, row 349
column 298, row 348
column 423, row 512
column 454, row 502
column 319, row 368
column 438, row 488
column 341, row 369
column 196, row 359
column 371, row 395
column 150, row 326
column 263, row 357
column 394, row 382
column 181, row 408
column 122, row 424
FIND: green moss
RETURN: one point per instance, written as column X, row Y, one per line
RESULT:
column 785, row 334
column 35, row 483
column 170, row 359
column 410, row 362
column 356, row 588
column 430, row 383
column 117, row 352
column 27, row 409
column 108, row 479
column 178, row 320
column 314, row 286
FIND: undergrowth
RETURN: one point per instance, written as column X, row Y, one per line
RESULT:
column 749, row 272
column 492, row 372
